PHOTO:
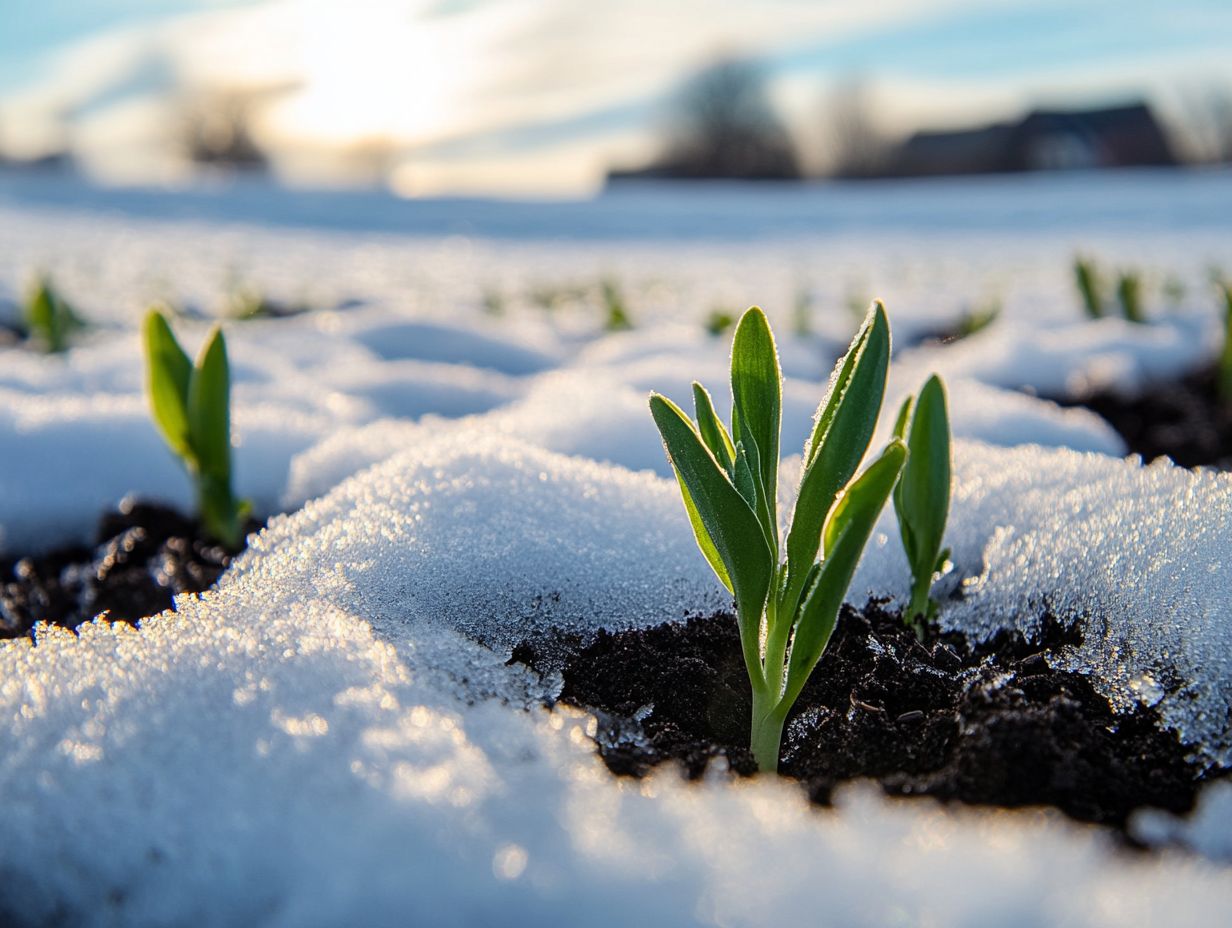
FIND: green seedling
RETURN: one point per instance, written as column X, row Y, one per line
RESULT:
column 191, row 408
column 1090, row 287
column 49, row 320
column 787, row 599
column 922, row 496
column 246, row 303
column 719, row 321
column 1129, row 296
column 616, row 316
column 1225, row 356
column 977, row 319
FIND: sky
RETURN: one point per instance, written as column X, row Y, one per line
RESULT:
column 540, row 97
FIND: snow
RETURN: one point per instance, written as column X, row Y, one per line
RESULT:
column 333, row 735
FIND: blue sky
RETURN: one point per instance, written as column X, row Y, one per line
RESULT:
column 555, row 82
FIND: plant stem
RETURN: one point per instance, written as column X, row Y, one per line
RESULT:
column 767, row 730
column 776, row 648
column 917, row 611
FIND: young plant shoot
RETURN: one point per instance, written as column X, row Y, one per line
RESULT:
column 616, row 316
column 1225, row 355
column 191, row 408
column 787, row 600
column 49, row 319
column 922, row 496
column 1129, row 295
column 1090, row 288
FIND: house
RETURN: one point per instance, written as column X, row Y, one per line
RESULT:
column 1044, row 140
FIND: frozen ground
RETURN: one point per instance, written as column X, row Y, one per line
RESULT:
column 324, row 740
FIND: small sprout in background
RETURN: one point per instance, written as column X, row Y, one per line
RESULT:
column 922, row 496
column 49, row 321
column 802, row 313
column 1224, row 288
column 977, row 319
column 1129, row 296
column 719, row 321
column 616, row 316
column 191, row 408
column 1090, row 287
column 248, row 302
column 971, row 320
column 786, row 607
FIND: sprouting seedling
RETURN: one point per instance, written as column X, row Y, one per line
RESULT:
column 922, row 496
column 248, row 302
column 616, row 316
column 1224, row 287
column 787, row 601
column 1129, row 295
column 718, row 321
column 49, row 320
column 1090, row 287
column 977, row 319
column 191, row 408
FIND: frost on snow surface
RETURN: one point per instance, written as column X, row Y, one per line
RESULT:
column 333, row 736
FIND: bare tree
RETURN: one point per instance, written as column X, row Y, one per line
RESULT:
column 723, row 125
column 216, row 127
column 855, row 146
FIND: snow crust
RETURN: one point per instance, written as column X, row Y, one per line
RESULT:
column 316, row 741
column 333, row 735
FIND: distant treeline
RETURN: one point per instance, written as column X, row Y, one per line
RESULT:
column 723, row 125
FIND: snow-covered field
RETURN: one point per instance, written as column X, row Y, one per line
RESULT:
column 323, row 740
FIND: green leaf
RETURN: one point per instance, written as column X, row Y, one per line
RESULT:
column 1225, row 356
column 49, row 320
column 757, row 384
column 847, row 532
column 922, row 497
column 168, row 372
column 1129, row 295
column 40, row 311
column 209, row 419
column 712, row 431
column 743, row 479
column 758, row 501
column 942, row 557
column 845, row 423
column 732, row 527
column 704, row 541
column 1089, row 287
column 904, row 419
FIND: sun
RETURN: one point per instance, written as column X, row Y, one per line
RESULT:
column 381, row 69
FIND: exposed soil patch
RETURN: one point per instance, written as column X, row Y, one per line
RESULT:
column 1184, row 420
column 991, row 726
column 143, row 555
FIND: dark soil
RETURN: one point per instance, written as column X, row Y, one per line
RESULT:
column 1184, row 420
column 990, row 726
column 143, row 555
